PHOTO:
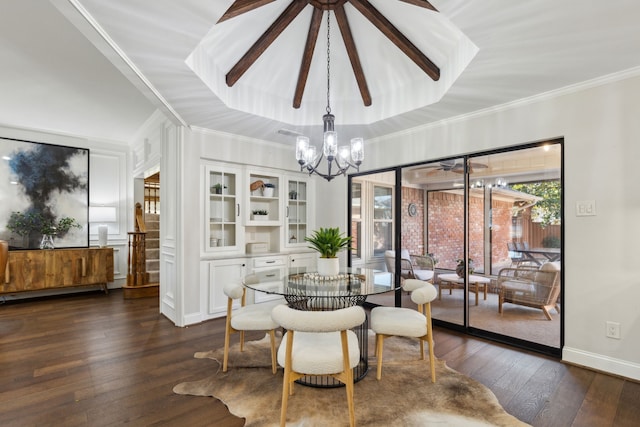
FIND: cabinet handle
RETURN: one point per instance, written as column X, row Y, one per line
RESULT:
column 83, row 260
column 287, row 215
column 7, row 275
column 269, row 262
column 271, row 275
column 237, row 209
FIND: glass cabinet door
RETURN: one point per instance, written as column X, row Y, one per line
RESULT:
column 297, row 218
column 223, row 209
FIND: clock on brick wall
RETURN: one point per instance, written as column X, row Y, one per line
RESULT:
column 413, row 209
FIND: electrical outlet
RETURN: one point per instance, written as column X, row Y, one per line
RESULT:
column 613, row 330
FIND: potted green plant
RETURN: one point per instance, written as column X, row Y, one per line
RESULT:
column 328, row 242
column 460, row 267
column 217, row 188
column 260, row 214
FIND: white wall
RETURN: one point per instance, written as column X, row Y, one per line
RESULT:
column 601, row 132
column 601, row 127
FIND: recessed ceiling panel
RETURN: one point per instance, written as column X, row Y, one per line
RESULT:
column 396, row 83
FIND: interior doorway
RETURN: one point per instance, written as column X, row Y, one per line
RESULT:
column 151, row 208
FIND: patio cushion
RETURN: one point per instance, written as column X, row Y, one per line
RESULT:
column 517, row 286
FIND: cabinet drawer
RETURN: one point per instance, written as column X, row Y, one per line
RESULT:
column 268, row 262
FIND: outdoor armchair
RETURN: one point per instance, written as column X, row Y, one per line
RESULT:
column 530, row 287
column 419, row 267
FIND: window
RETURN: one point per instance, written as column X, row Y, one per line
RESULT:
column 356, row 219
column 382, row 219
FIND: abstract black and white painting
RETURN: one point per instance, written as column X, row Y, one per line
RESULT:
column 45, row 181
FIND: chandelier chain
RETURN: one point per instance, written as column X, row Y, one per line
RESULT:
column 340, row 158
column 328, row 60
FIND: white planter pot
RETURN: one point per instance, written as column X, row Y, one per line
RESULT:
column 328, row 266
column 267, row 192
column 260, row 217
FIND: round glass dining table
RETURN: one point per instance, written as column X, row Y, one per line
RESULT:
column 304, row 290
column 309, row 291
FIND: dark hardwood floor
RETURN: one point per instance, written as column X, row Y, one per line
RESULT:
column 99, row 360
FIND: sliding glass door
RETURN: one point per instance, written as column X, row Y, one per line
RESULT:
column 433, row 226
column 520, row 214
column 481, row 228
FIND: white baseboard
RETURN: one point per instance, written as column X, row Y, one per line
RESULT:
column 602, row 363
column 192, row 319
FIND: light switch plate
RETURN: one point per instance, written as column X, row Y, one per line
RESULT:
column 586, row 208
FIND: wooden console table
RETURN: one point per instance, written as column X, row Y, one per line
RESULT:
column 38, row 270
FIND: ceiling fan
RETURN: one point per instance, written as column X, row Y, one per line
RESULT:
column 454, row 166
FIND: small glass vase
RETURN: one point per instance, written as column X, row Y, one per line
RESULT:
column 47, row 242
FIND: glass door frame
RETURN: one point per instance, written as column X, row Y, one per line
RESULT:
column 397, row 241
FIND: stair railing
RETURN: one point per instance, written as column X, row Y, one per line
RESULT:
column 136, row 263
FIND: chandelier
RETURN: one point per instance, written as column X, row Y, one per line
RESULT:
column 339, row 159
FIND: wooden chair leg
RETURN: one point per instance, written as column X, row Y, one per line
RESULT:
column 287, row 383
column 545, row 309
column 349, row 388
column 285, row 397
column 227, row 338
column 432, row 357
column 241, row 340
column 272, row 336
column 379, row 345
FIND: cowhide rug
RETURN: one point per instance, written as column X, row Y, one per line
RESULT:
column 404, row 396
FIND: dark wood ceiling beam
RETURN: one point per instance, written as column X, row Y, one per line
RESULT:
column 312, row 37
column 352, row 51
column 327, row 5
column 421, row 3
column 403, row 43
column 242, row 6
column 265, row 41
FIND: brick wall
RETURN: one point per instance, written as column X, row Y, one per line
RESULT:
column 446, row 229
column 413, row 226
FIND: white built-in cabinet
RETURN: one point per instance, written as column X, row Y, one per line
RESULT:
column 263, row 195
column 271, row 269
column 263, row 216
column 237, row 241
column 298, row 215
column 222, row 216
column 308, row 260
column 217, row 273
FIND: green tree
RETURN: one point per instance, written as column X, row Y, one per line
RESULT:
column 547, row 210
